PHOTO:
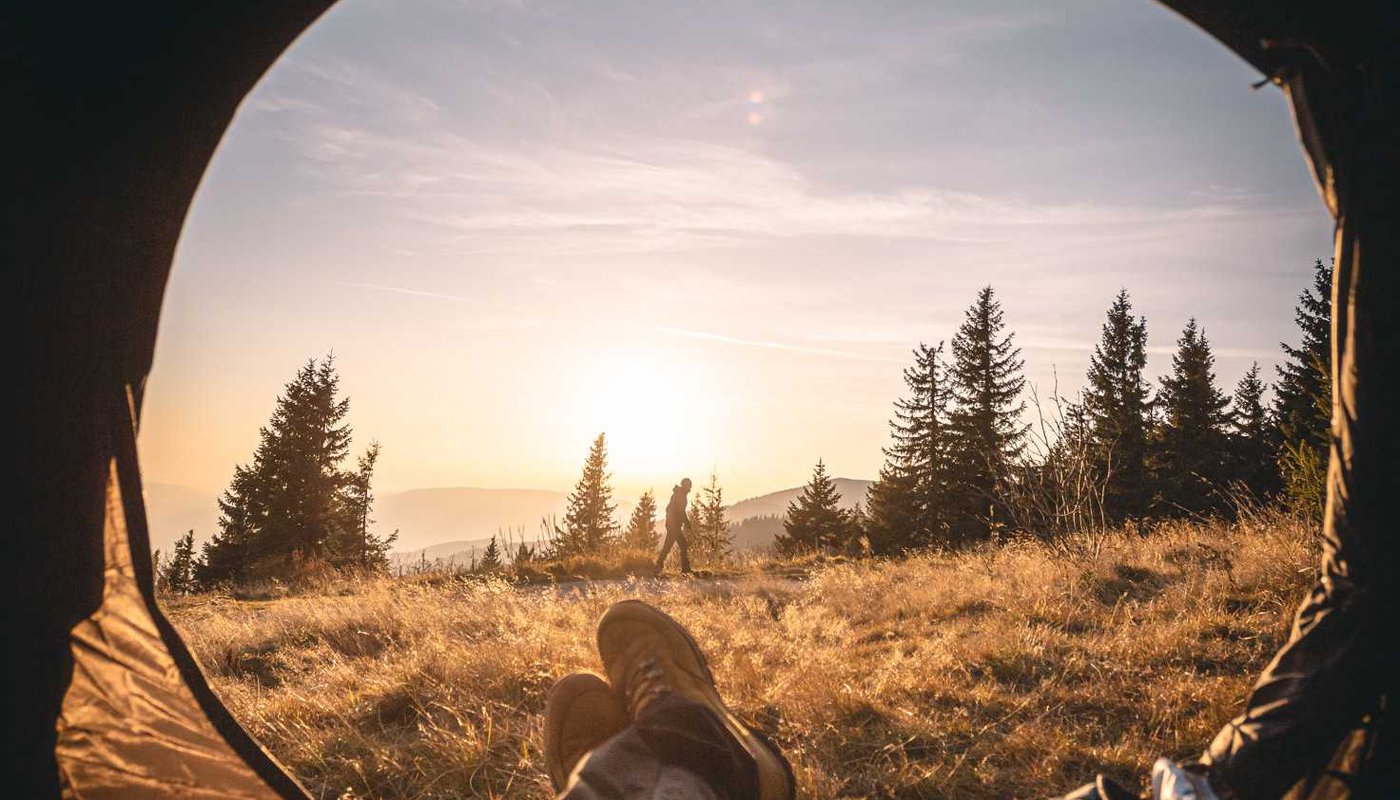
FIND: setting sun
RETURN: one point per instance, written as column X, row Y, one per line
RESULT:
column 646, row 410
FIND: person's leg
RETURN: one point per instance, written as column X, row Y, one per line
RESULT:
column 683, row 545
column 676, row 749
column 683, row 742
column 671, row 534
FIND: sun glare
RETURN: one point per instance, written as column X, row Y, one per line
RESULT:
column 645, row 409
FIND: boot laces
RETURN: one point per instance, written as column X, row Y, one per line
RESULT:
column 647, row 682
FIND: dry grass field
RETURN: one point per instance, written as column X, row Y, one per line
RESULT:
column 1014, row 671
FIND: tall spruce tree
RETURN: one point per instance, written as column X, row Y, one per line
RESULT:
column 641, row 532
column 590, row 523
column 985, row 420
column 815, row 521
column 1192, row 447
column 292, row 501
column 309, row 441
column 1251, row 438
column 712, row 535
column 1116, row 410
column 1303, row 399
column 908, row 505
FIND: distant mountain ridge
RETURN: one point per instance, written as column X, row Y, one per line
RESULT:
column 852, row 491
column 758, row 520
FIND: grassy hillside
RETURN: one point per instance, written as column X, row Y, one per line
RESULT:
column 1012, row 671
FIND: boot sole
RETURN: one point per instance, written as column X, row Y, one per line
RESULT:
column 567, row 689
column 770, row 760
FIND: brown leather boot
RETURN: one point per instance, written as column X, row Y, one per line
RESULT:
column 581, row 712
column 646, row 655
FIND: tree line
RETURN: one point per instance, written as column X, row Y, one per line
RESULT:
column 964, row 465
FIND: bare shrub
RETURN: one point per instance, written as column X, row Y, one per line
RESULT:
column 1057, row 491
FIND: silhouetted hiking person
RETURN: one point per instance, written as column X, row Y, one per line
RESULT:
column 677, row 526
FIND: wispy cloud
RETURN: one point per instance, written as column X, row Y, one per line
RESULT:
column 403, row 290
column 648, row 195
column 367, row 135
column 770, row 345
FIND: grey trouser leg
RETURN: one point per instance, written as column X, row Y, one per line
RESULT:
column 677, row 750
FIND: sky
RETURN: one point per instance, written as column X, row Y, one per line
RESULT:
column 714, row 231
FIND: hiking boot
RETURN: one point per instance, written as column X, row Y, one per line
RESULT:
column 647, row 655
column 582, row 712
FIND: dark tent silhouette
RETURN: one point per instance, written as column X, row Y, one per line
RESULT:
column 117, row 109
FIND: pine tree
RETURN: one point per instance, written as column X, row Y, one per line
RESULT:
column 1116, row 410
column 228, row 556
column 355, row 546
column 641, row 532
column 892, row 513
column 307, row 440
column 815, row 521
column 177, row 574
column 710, row 529
column 909, row 504
column 292, row 501
column 1251, row 437
column 1303, row 399
column 491, row 559
column 589, row 522
column 858, row 526
column 985, row 421
column 1192, row 444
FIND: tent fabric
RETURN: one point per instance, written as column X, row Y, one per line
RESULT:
column 120, row 108
column 1317, row 724
column 129, row 722
column 115, row 111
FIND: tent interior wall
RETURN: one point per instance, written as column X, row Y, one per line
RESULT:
column 121, row 107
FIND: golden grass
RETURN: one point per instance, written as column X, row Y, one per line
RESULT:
column 1015, row 671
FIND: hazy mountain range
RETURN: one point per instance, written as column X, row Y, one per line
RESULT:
column 448, row 523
